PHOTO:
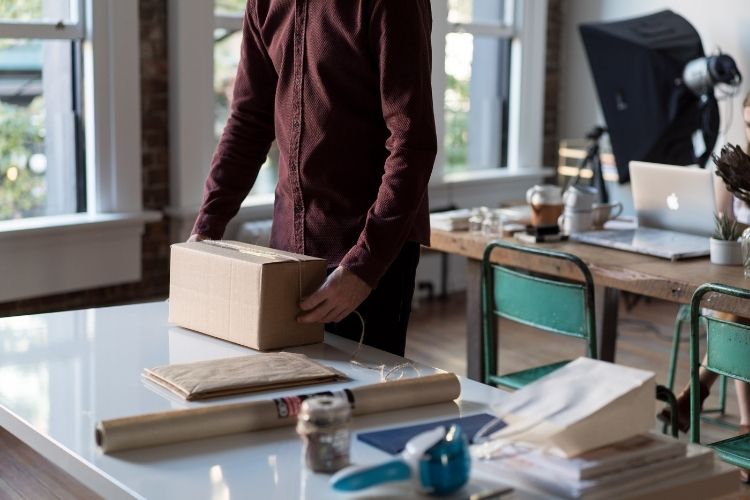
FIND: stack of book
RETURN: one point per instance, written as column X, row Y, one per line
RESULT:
column 452, row 220
column 631, row 468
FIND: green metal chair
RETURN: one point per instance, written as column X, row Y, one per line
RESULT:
column 568, row 310
column 683, row 318
column 728, row 352
column 551, row 304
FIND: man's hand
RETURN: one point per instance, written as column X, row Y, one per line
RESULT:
column 196, row 237
column 341, row 293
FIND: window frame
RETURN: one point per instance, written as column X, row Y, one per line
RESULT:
column 60, row 253
column 71, row 30
column 67, row 29
column 527, row 32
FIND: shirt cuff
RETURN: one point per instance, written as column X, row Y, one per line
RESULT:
column 362, row 263
column 210, row 226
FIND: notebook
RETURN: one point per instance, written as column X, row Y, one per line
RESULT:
column 674, row 207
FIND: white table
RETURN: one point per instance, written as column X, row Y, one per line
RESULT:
column 61, row 373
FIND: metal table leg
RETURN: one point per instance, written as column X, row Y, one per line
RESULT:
column 474, row 347
column 607, row 309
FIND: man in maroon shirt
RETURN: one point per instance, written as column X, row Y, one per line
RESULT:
column 343, row 86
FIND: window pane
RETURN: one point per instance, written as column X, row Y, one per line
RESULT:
column 477, row 11
column 226, row 58
column 224, row 7
column 35, row 10
column 38, row 160
column 476, row 101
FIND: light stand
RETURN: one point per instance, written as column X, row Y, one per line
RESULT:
column 593, row 162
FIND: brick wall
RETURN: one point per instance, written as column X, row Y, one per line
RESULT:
column 552, row 82
column 155, row 168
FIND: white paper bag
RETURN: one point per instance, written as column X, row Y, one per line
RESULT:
column 584, row 405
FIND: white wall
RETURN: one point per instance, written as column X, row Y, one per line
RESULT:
column 721, row 24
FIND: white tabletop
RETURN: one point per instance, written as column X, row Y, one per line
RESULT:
column 61, row 373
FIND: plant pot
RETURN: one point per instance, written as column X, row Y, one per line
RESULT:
column 726, row 252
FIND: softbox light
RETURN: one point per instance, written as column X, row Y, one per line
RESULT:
column 637, row 66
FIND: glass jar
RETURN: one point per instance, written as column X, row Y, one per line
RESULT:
column 475, row 221
column 745, row 241
column 323, row 424
column 493, row 223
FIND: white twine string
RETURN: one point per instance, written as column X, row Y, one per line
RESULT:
column 384, row 375
column 496, row 444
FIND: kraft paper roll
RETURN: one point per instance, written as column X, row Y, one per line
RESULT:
column 176, row 426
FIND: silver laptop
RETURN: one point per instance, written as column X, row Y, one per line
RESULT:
column 674, row 206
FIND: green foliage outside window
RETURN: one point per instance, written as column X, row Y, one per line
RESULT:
column 20, row 10
column 456, row 124
column 22, row 191
column 230, row 6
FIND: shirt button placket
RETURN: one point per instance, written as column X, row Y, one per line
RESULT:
column 300, row 21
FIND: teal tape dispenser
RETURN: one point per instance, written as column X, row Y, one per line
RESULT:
column 437, row 461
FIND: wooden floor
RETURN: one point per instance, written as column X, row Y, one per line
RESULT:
column 26, row 475
column 437, row 338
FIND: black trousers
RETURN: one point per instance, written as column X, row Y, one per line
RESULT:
column 387, row 309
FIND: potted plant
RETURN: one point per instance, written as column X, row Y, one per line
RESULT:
column 725, row 249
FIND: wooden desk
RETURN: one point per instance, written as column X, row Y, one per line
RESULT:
column 613, row 270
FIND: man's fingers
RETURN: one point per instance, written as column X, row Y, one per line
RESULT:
column 317, row 315
column 197, row 237
column 335, row 299
column 314, row 300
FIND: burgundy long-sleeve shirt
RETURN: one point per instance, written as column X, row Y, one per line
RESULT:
column 344, row 88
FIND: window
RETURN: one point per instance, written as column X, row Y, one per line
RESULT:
column 42, row 169
column 70, row 146
column 227, row 40
column 477, row 36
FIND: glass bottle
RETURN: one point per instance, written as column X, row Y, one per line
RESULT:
column 476, row 220
column 493, row 224
column 745, row 241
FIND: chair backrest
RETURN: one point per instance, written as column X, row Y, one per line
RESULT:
column 727, row 346
column 545, row 302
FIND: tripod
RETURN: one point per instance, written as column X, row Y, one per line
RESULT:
column 593, row 162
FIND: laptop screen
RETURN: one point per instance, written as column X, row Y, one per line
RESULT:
column 672, row 197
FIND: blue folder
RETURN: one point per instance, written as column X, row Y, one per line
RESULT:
column 394, row 440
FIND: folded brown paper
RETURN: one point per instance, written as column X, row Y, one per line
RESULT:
column 218, row 420
column 243, row 374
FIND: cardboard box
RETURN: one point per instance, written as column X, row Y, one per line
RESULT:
column 243, row 293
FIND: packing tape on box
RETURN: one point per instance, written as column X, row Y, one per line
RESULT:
column 267, row 254
column 177, row 426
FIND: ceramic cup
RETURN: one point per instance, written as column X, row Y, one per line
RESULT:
column 602, row 212
column 579, row 198
column 571, row 222
column 546, row 204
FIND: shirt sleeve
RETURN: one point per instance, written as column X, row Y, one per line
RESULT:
column 247, row 136
column 400, row 40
